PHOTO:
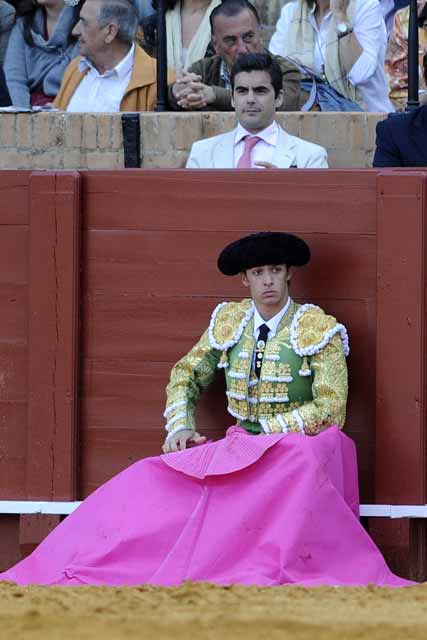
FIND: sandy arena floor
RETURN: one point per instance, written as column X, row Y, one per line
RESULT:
column 203, row 611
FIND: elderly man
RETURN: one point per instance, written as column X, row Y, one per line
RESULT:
column 257, row 141
column 236, row 29
column 113, row 73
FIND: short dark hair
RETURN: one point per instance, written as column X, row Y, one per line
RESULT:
column 258, row 62
column 231, row 8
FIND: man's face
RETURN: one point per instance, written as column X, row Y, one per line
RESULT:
column 235, row 35
column 269, row 286
column 90, row 35
column 253, row 100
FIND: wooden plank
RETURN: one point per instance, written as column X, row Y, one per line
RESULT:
column 13, row 435
column 9, row 536
column 53, row 339
column 13, row 255
column 14, row 310
column 13, row 335
column 401, row 383
column 33, row 528
column 14, row 197
column 335, row 200
column 143, row 261
column 13, row 372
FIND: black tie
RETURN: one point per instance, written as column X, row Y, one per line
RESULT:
column 260, row 347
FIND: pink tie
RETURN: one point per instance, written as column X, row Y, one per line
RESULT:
column 245, row 160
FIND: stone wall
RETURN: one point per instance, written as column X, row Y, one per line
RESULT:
column 95, row 141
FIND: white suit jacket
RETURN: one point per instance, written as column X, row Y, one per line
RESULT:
column 290, row 151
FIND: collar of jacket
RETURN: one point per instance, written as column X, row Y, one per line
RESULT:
column 143, row 70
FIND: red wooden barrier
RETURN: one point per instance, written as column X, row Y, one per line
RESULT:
column 149, row 242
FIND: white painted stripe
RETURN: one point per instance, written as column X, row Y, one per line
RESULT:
column 394, row 510
column 64, row 508
column 29, row 506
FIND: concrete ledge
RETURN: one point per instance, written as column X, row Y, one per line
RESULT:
column 57, row 140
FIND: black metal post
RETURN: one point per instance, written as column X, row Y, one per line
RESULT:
column 413, row 79
column 162, row 65
column 131, row 140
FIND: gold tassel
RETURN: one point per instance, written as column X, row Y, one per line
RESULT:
column 305, row 368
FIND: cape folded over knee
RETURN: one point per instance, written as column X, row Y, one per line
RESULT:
column 233, row 453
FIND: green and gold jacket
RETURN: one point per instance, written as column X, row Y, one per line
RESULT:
column 303, row 380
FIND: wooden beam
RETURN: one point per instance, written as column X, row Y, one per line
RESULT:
column 54, row 264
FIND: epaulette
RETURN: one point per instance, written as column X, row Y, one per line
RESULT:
column 312, row 329
column 228, row 322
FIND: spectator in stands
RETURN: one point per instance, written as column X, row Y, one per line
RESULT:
column 236, row 29
column 7, row 19
column 396, row 62
column 342, row 42
column 402, row 138
column 389, row 8
column 188, row 31
column 258, row 141
column 113, row 73
column 40, row 47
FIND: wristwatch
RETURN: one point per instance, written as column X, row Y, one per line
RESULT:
column 343, row 29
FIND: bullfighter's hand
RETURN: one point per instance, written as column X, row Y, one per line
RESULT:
column 180, row 440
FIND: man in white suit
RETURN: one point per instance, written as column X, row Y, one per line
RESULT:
column 257, row 141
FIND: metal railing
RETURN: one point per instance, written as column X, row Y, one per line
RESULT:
column 413, row 44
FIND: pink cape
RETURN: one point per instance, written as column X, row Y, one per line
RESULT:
column 266, row 510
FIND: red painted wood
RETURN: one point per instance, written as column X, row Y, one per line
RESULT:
column 14, row 201
column 14, row 309
column 68, row 216
column 33, row 528
column 53, row 321
column 9, row 547
column 401, row 330
column 13, row 254
column 151, row 284
column 13, row 423
column 136, row 262
column 13, row 343
column 218, row 200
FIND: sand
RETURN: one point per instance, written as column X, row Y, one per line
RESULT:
column 203, row 611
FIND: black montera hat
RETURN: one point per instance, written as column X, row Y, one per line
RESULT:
column 258, row 249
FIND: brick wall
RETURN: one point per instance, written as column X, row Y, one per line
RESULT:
column 94, row 141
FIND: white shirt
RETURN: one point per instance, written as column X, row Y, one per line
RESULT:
column 263, row 150
column 272, row 324
column 102, row 93
column 367, row 73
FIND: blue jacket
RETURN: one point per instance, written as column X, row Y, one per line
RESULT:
column 402, row 140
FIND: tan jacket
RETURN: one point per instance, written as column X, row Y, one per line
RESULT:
column 140, row 94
